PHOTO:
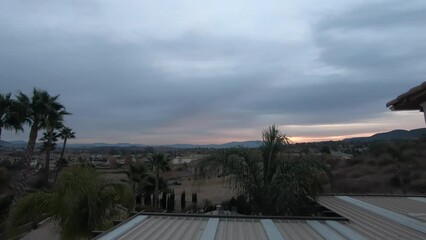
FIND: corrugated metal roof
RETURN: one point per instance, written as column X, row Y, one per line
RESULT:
column 402, row 205
column 164, row 227
column 369, row 218
column 369, row 223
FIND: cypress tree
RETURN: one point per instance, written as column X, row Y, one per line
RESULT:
column 194, row 198
column 182, row 201
column 172, row 199
column 164, row 201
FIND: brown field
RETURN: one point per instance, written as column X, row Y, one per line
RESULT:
column 214, row 190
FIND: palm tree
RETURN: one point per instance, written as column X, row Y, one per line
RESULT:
column 49, row 140
column 79, row 203
column 42, row 111
column 137, row 175
column 10, row 116
column 46, row 144
column 272, row 145
column 272, row 183
column 157, row 163
column 54, row 120
column 65, row 134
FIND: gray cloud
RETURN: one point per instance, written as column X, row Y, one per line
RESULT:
column 147, row 76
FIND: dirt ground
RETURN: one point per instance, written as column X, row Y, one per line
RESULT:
column 212, row 189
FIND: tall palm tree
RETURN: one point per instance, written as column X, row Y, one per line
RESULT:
column 137, row 174
column 157, row 163
column 80, row 203
column 42, row 111
column 11, row 118
column 65, row 133
column 54, row 120
column 46, row 144
column 49, row 140
column 272, row 183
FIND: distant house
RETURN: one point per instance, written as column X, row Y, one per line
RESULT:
column 413, row 99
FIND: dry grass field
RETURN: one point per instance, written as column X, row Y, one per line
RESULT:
column 214, row 190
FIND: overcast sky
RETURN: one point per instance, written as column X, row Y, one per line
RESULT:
column 163, row 72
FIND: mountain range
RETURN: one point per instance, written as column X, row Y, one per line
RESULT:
column 248, row 144
column 392, row 135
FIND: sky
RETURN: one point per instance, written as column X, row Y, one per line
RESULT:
column 165, row 72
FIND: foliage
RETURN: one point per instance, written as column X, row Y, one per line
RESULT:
column 397, row 153
column 41, row 111
column 325, row 150
column 137, row 177
column 48, row 142
column 242, row 205
column 273, row 184
column 80, row 203
column 11, row 115
column 157, row 163
column 65, row 133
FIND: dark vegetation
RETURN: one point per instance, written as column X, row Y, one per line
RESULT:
column 272, row 182
column 386, row 167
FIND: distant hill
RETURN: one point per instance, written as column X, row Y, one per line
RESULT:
column 393, row 135
column 101, row 145
column 4, row 143
column 247, row 144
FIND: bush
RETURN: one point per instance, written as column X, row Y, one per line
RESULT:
column 418, row 186
column 243, row 206
column 6, row 163
column 5, row 202
column 385, row 160
column 38, row 181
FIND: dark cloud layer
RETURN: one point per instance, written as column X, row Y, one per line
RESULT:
column 142, row 75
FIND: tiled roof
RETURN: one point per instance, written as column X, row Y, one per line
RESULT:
column 409, row 100
column 369, row 217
